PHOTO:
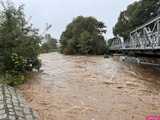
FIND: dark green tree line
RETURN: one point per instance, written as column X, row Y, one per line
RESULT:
column 84, row 36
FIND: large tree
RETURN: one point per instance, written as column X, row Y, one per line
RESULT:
column 135, row 15
column 84, row 36
column 19, row 42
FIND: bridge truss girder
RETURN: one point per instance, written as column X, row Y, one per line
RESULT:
column 145, row 40
column 145, row 37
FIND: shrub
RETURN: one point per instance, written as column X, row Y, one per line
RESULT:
column 19, row 43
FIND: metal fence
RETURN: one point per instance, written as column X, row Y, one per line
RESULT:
column 146, row 36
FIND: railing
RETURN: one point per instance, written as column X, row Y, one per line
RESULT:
column 116, row 43
column 146, row 36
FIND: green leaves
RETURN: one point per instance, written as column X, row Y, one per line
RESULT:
column 136, row 14
column 83, row 36
column 19, row 43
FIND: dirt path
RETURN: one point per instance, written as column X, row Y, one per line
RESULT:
column 92, row 88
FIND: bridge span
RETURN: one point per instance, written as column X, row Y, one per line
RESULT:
column 144, row 41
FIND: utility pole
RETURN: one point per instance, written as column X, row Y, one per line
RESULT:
column 45, row 30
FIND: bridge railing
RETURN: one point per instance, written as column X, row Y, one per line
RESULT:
column 146, row 36
column 116, row 44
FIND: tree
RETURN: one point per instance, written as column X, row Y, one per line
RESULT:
column 83, row 36
column 19, row 43
column 50, row 44
column 136, row 14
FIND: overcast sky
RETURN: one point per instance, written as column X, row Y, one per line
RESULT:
column 61, row 12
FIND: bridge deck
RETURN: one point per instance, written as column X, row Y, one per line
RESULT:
column 138, row 52
column 143, row 41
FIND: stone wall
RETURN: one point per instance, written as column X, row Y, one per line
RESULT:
column 13, row 106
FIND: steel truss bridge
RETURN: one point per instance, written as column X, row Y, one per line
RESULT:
column 143, row 41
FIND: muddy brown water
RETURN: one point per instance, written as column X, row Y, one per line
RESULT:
column 92, row 88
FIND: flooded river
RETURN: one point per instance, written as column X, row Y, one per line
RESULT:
column 92, row 88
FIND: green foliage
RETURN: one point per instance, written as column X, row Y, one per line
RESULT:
column 50, row 44
column 83, row 36
column 13, row 79
column 136, row 14
column 19, row 43
column 110, row 41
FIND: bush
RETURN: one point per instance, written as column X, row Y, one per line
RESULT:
column 19, row 43
column 14, row 79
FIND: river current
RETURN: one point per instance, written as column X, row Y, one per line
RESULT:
column 92, row 88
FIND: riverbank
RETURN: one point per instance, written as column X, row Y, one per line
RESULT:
column 13, row 106
column 92, row 88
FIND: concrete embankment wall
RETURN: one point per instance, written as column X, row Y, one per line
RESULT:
column 139, row 60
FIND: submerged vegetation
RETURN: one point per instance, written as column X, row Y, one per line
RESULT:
column 19, row 45
column 84, row 36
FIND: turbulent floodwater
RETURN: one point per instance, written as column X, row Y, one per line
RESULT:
column 92, row 88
